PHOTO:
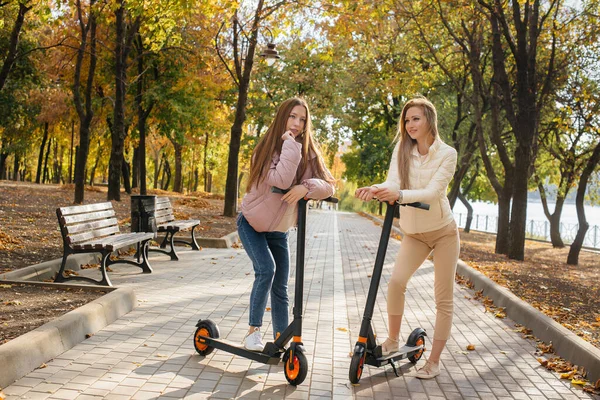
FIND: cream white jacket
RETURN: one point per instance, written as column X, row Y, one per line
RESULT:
column 429, row 179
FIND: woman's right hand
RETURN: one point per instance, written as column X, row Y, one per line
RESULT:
column 287, row 136
column 365, row 193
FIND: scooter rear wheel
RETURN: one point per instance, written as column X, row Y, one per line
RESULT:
column 206, row 328
column 296, row 367
column 357, row 364
column 419, row 342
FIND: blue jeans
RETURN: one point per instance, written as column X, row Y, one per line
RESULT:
column 271, row 260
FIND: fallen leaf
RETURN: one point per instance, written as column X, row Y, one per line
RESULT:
column 268, row 308
column 578, row 382
column 471, row 347
column 42, row 366
column 5, row 286
column 342, row 329
column 568, row 375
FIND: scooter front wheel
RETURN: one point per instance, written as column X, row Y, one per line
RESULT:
column 357, row 364
column 296, row 366
column 420, row 341
column 205, row 328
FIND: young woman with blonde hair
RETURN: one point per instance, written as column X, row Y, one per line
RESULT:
column 287, row 156
column 421, row 168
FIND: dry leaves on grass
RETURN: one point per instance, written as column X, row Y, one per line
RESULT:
column 8, row 242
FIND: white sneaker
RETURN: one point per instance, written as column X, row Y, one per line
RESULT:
column 429, row 370
column 253, row 341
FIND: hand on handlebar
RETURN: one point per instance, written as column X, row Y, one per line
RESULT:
column 368, row 193
column 295, row 194
column 365, row 193
column 386, row 195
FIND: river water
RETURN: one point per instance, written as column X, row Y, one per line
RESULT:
column 537, row 223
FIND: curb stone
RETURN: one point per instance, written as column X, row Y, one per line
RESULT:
column 27, row 352
column 565, row 343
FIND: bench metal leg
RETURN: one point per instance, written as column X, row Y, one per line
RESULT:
column 168, row 239
column 60, row 277
column 144, row 265
column 192, row 242
column 103, row 264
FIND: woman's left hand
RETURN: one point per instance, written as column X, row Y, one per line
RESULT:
column 296, row 193
column 385, row 194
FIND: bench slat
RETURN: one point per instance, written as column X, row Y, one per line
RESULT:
column 179, row 224
column 163, row 212
column 163, row 201
column 85, row 208
column 85, row 236
column 74, row 219
column 116, row 241
column 88, row 226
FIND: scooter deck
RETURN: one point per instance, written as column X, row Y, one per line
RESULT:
column 402, row 353
column 238, row 349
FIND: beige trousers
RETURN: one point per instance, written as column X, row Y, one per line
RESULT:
column 413, row 252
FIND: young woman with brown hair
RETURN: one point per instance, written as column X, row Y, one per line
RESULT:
column 420, row 170
column 287, row 156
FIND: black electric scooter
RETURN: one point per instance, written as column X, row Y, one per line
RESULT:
column 366, row 350
column 206, row 338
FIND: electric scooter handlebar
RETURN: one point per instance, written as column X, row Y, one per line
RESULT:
column 416, row 204
column 284, row 191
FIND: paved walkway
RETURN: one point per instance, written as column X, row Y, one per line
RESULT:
column 149, row 354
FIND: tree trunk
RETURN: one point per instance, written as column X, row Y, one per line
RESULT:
column 38, row 173
column 46, row 176
column 55, row 170
column 124, row 36
column 135, row 168
column 195, row 186
column 503, row 229
column 71, row 152
column 205, row 163
column 166, row 174
column 231, row 189
column 126, row 177
column 178, row 182
column 13, row 44
column 240, row 190
column 157, row 166
column 469, row 208
column 61, row 163
column 243, row 75
column 518, row 214
column 594, row 160
column 3, row 157
column 96, row 161
column 85, row 112
column 16, row 167
column 142, row 115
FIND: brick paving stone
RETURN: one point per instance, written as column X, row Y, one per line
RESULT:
column 149, row 354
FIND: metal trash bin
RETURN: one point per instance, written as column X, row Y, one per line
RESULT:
column 143, row 208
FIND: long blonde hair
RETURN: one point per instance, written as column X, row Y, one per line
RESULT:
column 271, row 143
column 406, row 142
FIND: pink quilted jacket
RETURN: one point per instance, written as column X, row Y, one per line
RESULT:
column 264, row 209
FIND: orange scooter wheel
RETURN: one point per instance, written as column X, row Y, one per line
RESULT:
column 205, row 328
column 417, row 356
column 296, row 367
column 357, row 364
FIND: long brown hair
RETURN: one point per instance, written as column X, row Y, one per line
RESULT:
column 271, row 143
column 406, row 142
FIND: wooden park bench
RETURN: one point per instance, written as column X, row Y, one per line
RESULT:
column 93, row 228
column 167, row 224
